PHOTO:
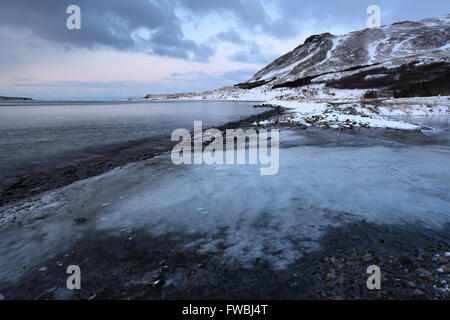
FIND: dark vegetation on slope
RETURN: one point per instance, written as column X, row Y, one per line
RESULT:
column 409, row 80
column 405, row 81
column 247, row 85
column 296, row 83
column 307, row 80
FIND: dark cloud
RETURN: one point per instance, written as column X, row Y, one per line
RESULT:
column 250, row 15
column 106, row 23
column 291, row 15
column 112, row 22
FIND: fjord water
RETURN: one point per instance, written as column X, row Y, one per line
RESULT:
column 326, row 178
column 38, row 135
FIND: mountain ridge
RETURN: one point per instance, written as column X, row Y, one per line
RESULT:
column 404, row 59
column 326, row 54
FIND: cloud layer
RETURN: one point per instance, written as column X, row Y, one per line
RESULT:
column 208, row 38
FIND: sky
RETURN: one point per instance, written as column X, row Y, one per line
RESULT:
column 131, row 48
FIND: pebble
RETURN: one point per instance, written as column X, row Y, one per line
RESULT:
column 411, row 284
column 331, row 276
column 443, row 260
column 367, row 258
column 423, row 273
column 405, row 259
column 418, row 292
column 79, row 220
column 42, row 269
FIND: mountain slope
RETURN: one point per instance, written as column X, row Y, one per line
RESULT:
column 405, row 59
column 406, row 52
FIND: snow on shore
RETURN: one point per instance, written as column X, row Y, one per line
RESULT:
column 338, row 116
column 417, row 106
column 318, row 105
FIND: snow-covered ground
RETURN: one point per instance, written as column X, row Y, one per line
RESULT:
column 342, row 113
column 417, row 106
column 317, row 105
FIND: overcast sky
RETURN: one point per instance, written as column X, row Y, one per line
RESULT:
column 134, row 47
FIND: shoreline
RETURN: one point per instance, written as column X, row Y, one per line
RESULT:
column 413, row 259
column 33, row 184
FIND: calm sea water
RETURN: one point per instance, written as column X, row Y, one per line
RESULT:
column 38, row 134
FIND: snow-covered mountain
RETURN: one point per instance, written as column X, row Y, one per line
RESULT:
column 404, row 59
column 391, row 58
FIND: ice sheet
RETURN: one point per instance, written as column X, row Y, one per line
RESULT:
column 319, row 184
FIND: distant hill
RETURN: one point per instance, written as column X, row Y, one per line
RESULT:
column 2, row 98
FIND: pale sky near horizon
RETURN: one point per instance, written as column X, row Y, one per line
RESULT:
column 131, row 48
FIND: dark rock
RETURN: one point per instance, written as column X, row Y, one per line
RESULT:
column 418, row 292
column 80, row 220
column 405, row 259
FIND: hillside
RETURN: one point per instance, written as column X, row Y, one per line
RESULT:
column 405, row 59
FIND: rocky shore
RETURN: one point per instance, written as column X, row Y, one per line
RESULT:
column 414, row 264
column 348, row 114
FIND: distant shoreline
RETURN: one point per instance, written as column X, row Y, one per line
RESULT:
column 130, row 100
column 3, row 98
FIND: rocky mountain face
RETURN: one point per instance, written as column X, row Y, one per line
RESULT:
column 403, row 59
